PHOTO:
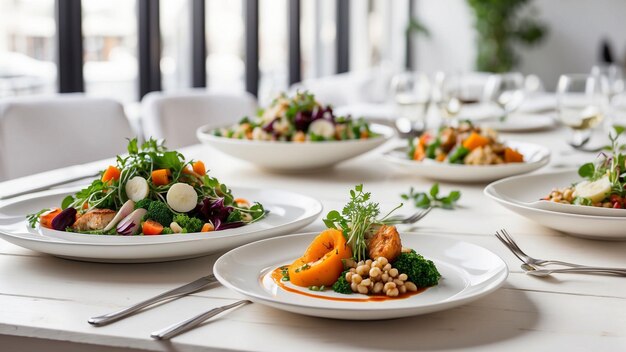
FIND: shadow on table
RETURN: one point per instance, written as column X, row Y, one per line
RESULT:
column 505, row 314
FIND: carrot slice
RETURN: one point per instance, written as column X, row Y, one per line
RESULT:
column 420, row 152
column 475, row 140
column 207, row 227
column 513, row 156
column 198, row 167
column 111, row 173
column 321, row 263
column 46, row 219
column 241, row 202
column 151, row 227
column 160, row 177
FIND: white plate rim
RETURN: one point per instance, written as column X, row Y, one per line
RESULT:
column 311, row 213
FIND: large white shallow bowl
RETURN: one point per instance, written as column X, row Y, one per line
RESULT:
column 291, row 156
column 536, row 156
column 520, row 194
column 468, row 273
column 288, row 212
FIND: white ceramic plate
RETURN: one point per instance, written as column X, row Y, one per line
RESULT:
column 288, row 212
column 468, row 273
column 518, row 194
column 522, row 122
column 535, row 155
column 290, row 156
column 526, row 190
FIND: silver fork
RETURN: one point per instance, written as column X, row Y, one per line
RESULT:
column 510, row 243
column 396, row 220
column 541, row 272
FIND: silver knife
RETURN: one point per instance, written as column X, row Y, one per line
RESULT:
column 47, row 186
column 175, row 293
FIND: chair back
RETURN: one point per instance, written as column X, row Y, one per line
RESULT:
column 176, row 117
column 44, row 133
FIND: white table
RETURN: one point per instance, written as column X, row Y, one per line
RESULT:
column 45, row 301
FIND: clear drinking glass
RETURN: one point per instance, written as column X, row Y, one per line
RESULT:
column 506, row 90
column 453, row 91
column 614, row 78
column 582, row 102
column 411, row 92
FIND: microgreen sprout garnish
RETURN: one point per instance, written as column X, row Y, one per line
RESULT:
column 356, row 220
column 304, row 267
column 33, row 219
column 432, row 198
column 613, row 164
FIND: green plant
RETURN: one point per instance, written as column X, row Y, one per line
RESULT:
column 499, row 27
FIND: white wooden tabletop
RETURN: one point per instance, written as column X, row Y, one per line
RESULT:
column 45, row 301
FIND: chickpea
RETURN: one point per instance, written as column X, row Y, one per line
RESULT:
column 354, row 287
column 382, row 260
column 410, row 286
column 375, row 272
column 349, row 276
column 387, row 267
column 356, row 278
column 398, row 282
column 393, row 292
column 403, row 277
column 384, row 277
column 378, row 287
column 388, row 286
column 393, row 272
column 362, row 289
column 368, row 262
column 362, row 270
column 402, row 289
column 377, row 264
column 568, row 194
column 366, row 282
column 353, row 270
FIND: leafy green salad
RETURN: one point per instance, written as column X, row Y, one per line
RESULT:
column 150, row 191
column 298, row 119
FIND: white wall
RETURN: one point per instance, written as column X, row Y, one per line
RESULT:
column 576, row 28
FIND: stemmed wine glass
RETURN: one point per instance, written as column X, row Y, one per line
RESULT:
column 453, row 91
column 411, row 92
column 582, row 101
column 614, row 78
column 506, row 90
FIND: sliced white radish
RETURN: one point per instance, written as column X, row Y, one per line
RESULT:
column 595, row 191
column 137, row 188
column 126, row 209
column 130, row 224
column 182, row 198
column 322, row 128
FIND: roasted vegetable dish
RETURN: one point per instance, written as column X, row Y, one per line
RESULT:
column 150, row 191
column 604, row 183
column 466, row 144
column 297, row 119
column 361, row 253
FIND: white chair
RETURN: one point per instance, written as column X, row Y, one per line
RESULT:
column 176, row 116
column 49, row 132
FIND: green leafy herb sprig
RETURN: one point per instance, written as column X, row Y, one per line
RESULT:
column 432, row 198
column 356, row 220
column 613, row 165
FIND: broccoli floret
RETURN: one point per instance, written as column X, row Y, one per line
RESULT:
column 144, row 203
column 159, row 212
column 342, row 285
column 167, row 231
column 422, row 272
column 189, row 224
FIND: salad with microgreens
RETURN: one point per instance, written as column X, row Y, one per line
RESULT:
column 466, row 144
column 150, row 191
column 299, row 118
column 604, row 183
column 360, row 252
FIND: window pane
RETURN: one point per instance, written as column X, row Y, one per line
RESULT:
column 318, row 33
column 225, row 44
column 175, row 40
column 27, row 47
column 110, row 45
column 272, row 49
